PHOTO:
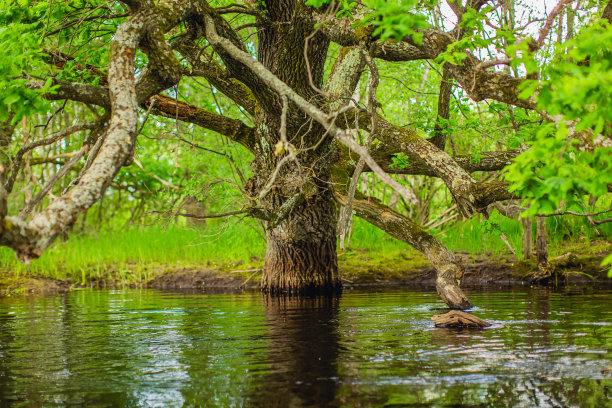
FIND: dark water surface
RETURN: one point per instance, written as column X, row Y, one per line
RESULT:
column 144, row 348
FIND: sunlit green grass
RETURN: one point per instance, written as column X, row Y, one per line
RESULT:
column 477, row 237
column 94, row 255
column 217, row 244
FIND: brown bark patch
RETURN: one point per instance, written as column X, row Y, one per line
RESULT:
column 455, row 318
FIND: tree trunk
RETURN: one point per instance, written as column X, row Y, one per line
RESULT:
column 527, row 240
column 301, row 252
column 541, row 249
column 293, row 157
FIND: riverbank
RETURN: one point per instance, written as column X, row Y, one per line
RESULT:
column 578, row 263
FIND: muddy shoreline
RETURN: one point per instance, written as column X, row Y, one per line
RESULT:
column 480, row 272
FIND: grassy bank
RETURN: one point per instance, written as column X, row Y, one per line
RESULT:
column 137, row 255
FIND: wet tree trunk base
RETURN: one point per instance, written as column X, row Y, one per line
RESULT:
column 301, row 268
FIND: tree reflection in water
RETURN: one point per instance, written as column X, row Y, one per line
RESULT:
column 303, row 340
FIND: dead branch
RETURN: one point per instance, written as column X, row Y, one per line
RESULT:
column 577, row 214
column 17, row 161
column 52, row 181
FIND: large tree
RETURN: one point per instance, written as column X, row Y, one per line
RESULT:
column 309, row 137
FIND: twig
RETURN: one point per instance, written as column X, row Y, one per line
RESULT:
column 492, row 63
column 221, row 215
column 246, row 270
column 605, row 220
column 454, row 206
column 347, row 209
column 249, row 278
column 49, row 185
column 507, row 242
column 43, row 142
column 144, row 122
column 444, row 221
column 574, row 213
column 549, row 21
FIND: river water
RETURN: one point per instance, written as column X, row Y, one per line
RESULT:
column 376, row 348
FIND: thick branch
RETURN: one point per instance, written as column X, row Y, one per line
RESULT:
column 88, row 94
column 458, row 181
column 233, row 129
column 485, row 161
column 448, row 269
column 446, row 88
column 344, row 76
column 478, row 83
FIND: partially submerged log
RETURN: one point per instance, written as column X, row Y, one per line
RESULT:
column 456, row 318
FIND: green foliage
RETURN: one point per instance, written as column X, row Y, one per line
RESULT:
column 399, row 161
column 554, row 169
column 392, row 19
column 580, row 79
column 472, row 21
column 20, row 42
column 491, row 226
column 608, row 262
column 395, row 20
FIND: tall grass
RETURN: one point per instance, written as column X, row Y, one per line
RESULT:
column 92, row 255
column 366, row 236
column 475, row 237
column 234, row 242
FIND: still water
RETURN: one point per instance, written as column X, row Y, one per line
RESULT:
column 144, row 348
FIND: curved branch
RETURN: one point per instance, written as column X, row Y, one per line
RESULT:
column 29, row 240
column 448, row 269
column 459, row 182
